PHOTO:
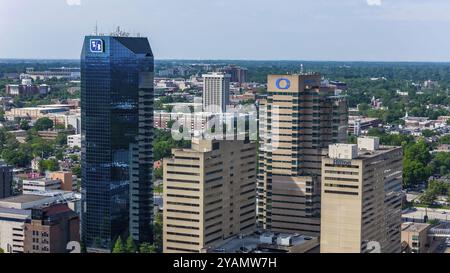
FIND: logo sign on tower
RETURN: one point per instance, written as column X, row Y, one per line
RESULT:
column 283, row 83
column 96, row 45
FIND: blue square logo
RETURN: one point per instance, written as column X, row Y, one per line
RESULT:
column 96, row 45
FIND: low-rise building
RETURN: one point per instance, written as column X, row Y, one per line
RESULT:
column 66, row 179
column 415, row 237
column 40, row 185
column 33, row 113
column 74, row 141
column 50, row 229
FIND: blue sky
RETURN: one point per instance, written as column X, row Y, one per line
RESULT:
column 370, row 30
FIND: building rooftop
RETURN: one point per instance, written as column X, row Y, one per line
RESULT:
column 268, row 243
column 414, row 227
column 20, row 199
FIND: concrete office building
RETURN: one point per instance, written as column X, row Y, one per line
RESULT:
column 209, row 194
column 298, row 120
column 6, row 178
column 216, row 92
column 361, row 198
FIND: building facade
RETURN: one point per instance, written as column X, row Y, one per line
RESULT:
column 298, row 120
column 116, row 132
column 361, row 198
column 32, row 186
column 6, row 178
column 50, row 229
column 415, row 237
column 209, row 194
column 216, row 92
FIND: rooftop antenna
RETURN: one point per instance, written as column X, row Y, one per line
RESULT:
column 96, row 27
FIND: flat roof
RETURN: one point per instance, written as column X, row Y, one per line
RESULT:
column 414, row 227
column 24, row 198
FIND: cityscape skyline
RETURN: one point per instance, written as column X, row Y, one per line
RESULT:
column 351, row 30
column 112, row 149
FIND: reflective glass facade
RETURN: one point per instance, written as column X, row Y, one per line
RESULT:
column 117, row 121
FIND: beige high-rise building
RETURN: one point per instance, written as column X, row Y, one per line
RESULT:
column 216, row 92
column 298, row 120
column 209, row 194
column 361, row 198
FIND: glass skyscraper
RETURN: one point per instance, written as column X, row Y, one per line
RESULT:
column 117, row 122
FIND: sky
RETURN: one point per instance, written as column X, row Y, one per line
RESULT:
column 333, row 30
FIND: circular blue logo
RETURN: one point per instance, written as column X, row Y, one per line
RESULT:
column 283, row 83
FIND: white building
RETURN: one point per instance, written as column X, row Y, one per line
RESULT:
column 74, row 120
column 74, row 140
column 216, row 92
column 12, row 223
column 40, row 185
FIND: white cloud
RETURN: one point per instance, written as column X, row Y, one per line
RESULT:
column 73, row 2
column 374, row 2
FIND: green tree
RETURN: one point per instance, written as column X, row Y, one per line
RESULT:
column 428, row 198
column 1, row 250
column 118, row 246
column 159, row 173
column 24, row 124
column 76, row 170
column 43, row 124
column 414, row 172
column 49, row 165
column 147, row 248
column 61, row 139
column 130, row 246
column 428, row 133
column 158, row 231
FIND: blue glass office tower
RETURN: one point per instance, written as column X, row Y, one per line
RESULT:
column 117, row 123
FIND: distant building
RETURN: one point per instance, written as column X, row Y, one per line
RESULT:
column 66, row 179
column 53, row 134
column 357, row 124
column 6, row 178
column 216, row 92
column 74, row 121
column 209, row 194
column 237, row 74
column 67, row 73
column 33, row 113
column 74, row 141
column 35, row 162
column 361, row 198
column 50, row 229
column 26, row 88
column 33, row 186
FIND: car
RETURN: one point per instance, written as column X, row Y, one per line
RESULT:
column 443, row 212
